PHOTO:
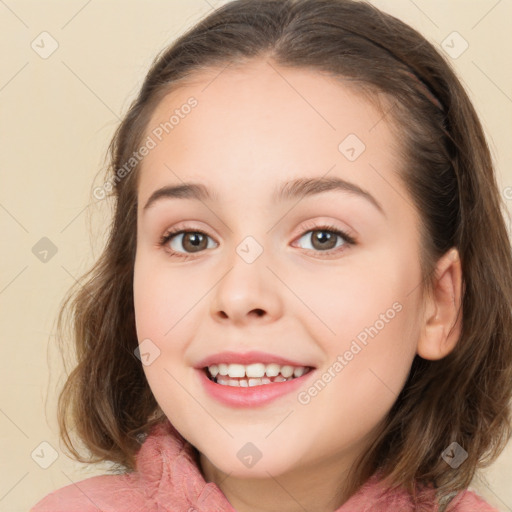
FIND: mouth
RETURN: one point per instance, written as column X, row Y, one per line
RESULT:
column 252, row 375
column 251, row 379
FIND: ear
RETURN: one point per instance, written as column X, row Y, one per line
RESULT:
column 442, row 321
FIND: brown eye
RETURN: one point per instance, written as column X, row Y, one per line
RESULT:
column 324, row 239
column 188, row 241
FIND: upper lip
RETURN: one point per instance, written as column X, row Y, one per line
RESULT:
column 246, row 358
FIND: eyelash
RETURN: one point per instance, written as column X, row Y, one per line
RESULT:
column 349, row 240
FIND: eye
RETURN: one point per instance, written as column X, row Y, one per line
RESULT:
column 190, row 241
column 326, row 239
column 183, row 243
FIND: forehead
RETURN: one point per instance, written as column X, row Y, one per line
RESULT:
column 260, row 123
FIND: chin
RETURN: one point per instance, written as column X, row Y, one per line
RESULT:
column 247, row 460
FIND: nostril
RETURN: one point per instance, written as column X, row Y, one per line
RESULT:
column 259, row 312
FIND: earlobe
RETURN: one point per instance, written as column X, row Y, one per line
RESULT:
column 442, row 322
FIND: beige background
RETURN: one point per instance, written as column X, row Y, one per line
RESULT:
column 57, row 116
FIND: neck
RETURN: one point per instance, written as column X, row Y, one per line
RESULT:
column 320, row 487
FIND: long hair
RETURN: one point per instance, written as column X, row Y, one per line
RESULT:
column 448, row 172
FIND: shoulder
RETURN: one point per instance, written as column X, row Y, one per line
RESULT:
column 132, row 491
column 105, row 493
column 378, row 495
column 470, row 501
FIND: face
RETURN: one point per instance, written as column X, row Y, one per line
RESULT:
column 265, row 272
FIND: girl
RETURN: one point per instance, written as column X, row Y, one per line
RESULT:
column 305, row 299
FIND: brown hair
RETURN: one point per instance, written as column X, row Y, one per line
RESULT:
column 448, row 171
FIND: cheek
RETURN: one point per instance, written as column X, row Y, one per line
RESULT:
column 161, row 303
column 364, row 295
column 373, row 316
column 376, row 325
column 366, row 370
column 167, row 303
column 148, row 297
column 161, row 299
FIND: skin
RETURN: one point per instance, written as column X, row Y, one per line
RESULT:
column 255, row 127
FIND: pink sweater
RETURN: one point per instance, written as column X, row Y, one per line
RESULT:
column 167, row 479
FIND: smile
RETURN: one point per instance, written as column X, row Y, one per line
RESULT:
column 256, row 374
column 252, row 379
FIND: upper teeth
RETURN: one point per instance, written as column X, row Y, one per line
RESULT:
column 255, row 370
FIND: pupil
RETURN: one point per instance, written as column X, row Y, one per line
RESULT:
column 323, row 238
column 193, row 241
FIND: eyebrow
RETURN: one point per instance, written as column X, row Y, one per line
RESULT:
column 299, row 188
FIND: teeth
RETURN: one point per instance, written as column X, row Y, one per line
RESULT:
column 237, row 370
column 244, row 383
column 287, row 371
column 256, row 373
column 299, row 372
column 254, row 370
column 273, row 370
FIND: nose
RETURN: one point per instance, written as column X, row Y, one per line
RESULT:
column 247, row 293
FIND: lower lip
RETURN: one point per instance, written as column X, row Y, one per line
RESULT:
column 250, row 396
